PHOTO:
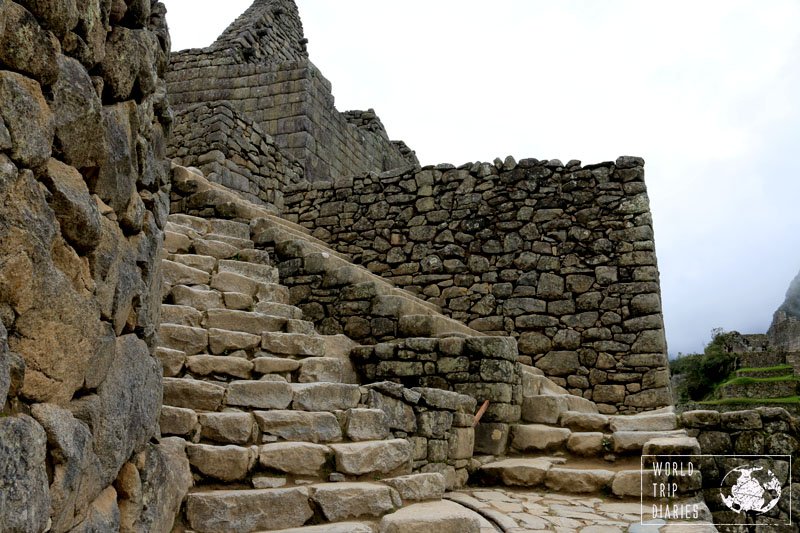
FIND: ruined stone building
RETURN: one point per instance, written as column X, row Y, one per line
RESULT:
column 227, row 306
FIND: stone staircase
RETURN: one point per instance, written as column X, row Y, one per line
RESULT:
column 278, row 432
column 564, row 445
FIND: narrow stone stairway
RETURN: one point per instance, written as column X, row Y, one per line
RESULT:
column 563, row 445
column 278, row 431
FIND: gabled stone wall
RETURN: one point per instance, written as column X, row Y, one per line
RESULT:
column 559, row 256
column 233, row 151
column 260, row 68
column 84, row 195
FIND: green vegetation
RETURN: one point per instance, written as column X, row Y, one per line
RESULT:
column 753, row 401
column 765, row 369
column 702, row 373
column 745, row 380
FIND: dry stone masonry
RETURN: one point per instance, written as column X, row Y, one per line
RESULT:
column 84, row 193
column 259, row 66
column 560, row 257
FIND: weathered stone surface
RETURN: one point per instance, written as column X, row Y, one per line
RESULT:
column 325, row 396
column 192, row 394
column 77, row 470
column 296, row 458
column 644, row 422
column 225, row 463
column 25, row 46
column 76, row 211
column 418, row 487
column 517, row 472
column 113, row 183
column 293, row 344
column 123, row 423
column 222, row 341
column 342, row 501
column 183, row 338
column 259, row 394
column 205, row 365
column 240, row 511
column 543, row 409
column 559, row 363
column 586, row 443
column 583, row 421
column 443, row 516
column 578, row 481
column 537, row 437
column 177, row 420
column 360, row 458
column 366, row 424
column 77, row 111
column 103, row 514
column 299, row 425
column 228, row 427
column 128, row 61
column 25, row 499
column 166, row 478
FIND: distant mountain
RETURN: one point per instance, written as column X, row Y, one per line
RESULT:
column 784, row 333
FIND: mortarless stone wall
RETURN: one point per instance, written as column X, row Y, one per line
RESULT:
column 84, row 195
column 559, row 256
column 260, row 68
column 233, row 151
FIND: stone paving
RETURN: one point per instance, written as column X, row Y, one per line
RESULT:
column 525, row 511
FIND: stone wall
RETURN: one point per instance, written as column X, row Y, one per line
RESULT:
column 559, row 256
column 83, row 200
column 484, row 368
column 233, row 151
column 765, row 430
column 259, row 67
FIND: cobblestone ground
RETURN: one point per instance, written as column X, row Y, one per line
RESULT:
column 524, row 511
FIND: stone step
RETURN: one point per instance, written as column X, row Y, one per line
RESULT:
column 216, row 249
column 205, row 263
column 325, row 396
column 353, row 500
column 262, row 394
column 440, row 516
column 303, row 459
column 193, row 394
column 200, row 225
column 634, row 441
column 302, row 426
column 577, row 421
column 182, row 315
column 300, row 326
column 374, row 458
column 278, row 309
column 228, row 427
column 245, row 511
column 232, row 282
column 278, row 232
column 672, row 445
column 229, row 228
column 538, row 438
column 547, row 409
column 177, row 421
column 239, row 244
column 433, row 326
column 226, row 463
column 223, row 341
column 181, row 229
column 200, row 299
column 243, row 321
column 258, row 272
column 643, row 422
column 293, row 344
column 177, row 274
column 176, row 242
column 215, row 365
column 172, row 361
column 190, row 340
column 338, row 527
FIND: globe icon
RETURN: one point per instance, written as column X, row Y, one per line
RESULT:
column 755, row 489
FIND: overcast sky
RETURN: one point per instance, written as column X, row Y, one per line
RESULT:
column 706, row 91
